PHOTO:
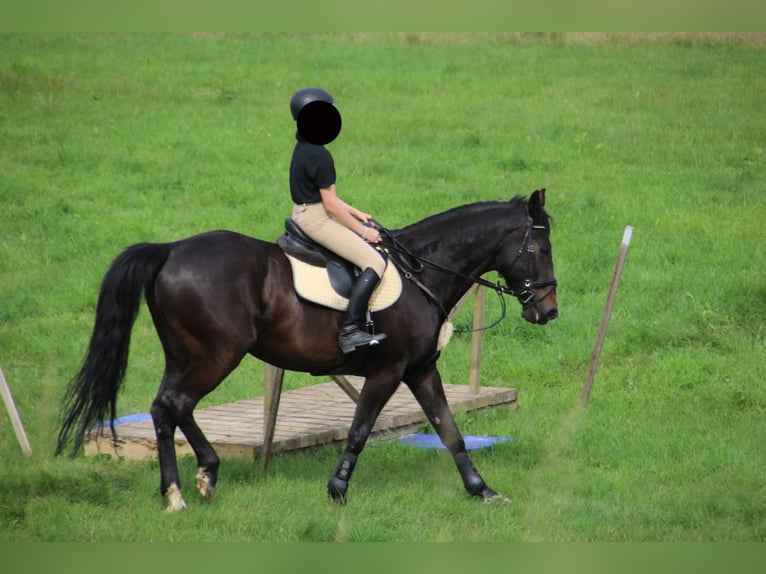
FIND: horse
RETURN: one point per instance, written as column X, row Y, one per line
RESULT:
column 220, row 295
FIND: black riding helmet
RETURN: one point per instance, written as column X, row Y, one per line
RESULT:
column 318, row 120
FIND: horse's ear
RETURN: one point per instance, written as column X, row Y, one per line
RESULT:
column 536, row 203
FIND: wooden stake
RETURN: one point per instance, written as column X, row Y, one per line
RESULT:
column 474, row 378
column 588, row 384
column 10, row 406
column 272, row 392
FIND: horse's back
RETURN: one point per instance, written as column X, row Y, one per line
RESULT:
column 216, row 254
column 219, row 242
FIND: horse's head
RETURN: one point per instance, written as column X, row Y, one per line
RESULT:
column 526, row 264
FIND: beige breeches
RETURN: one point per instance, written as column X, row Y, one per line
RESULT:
column 315, row 222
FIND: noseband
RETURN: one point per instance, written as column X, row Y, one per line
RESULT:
column 526, row 295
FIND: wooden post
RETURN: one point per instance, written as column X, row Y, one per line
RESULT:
column 347, row 387
column 588, row 384
column 272, row 391
column 462, row 300
column 13, row 413
column 476, row 340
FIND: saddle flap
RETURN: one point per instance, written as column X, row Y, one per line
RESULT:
column 312, row 283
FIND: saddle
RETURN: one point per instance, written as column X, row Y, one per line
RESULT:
column 323, row 277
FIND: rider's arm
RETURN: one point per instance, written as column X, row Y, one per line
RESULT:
column 348, row 215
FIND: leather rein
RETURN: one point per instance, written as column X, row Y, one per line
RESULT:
column 417, row 264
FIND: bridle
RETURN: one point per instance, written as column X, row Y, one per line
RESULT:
column 416, row 264
column 527, row 296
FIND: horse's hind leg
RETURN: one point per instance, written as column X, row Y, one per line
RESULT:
column 207, row 459
column 173, row 407
column 429, row 392
column 165, row 428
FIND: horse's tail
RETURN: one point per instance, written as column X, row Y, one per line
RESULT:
column 92, row 394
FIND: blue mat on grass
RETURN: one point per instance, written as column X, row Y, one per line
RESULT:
column 134, row 418
column 432, row 441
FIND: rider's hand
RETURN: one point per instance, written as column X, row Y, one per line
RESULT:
column 371, row 235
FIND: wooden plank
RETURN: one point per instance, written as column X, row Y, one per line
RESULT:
column 308, row 417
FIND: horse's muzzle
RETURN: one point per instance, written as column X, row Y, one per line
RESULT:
column 542, row 311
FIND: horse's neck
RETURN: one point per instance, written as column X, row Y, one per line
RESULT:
column 462, row 241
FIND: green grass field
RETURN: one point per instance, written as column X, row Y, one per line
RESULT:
column 109, row 140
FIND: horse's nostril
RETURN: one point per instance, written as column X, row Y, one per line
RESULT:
column 552, row 314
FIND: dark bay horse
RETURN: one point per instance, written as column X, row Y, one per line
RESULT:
column 217, row 296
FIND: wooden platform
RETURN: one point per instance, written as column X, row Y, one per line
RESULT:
column 316, row 415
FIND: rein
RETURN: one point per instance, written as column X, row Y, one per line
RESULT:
column 526, row 296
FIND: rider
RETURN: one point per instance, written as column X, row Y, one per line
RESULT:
column 324, row 216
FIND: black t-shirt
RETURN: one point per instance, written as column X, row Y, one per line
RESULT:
column 311, row 169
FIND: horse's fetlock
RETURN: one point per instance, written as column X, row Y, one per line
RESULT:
column 338, row 483
column 474, row 485
column 206, row 482
column 176, row 502
column 337, row 488
column 472, row 480
column 210, row 465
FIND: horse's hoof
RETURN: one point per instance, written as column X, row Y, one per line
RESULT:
column 205, row 484
column 176, row 502
column 489, row 496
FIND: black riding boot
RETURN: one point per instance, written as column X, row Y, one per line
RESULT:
column 353, row 334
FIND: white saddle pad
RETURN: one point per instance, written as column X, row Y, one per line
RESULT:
column 313, row 284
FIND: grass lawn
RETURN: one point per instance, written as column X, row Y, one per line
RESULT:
column 109, row 140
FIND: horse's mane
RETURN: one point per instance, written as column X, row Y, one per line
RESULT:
column 461, row 211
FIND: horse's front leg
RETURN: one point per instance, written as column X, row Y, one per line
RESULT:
column 375, row 394
column 427, row 387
